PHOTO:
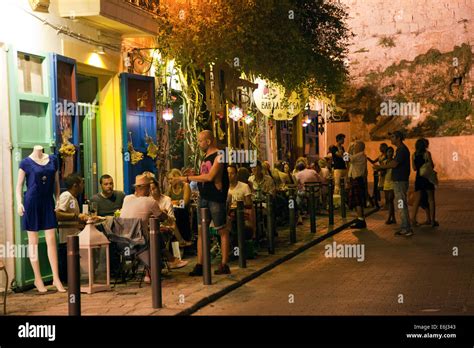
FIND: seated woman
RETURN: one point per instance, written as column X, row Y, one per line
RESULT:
column 166, row 206
column 180, row 194
column 239, row 191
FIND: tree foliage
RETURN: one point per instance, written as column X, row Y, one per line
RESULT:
column 298, row 43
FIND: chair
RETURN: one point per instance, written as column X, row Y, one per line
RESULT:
column 4, row 269
column 131, row 240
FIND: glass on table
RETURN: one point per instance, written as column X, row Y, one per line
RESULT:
column 93, row 209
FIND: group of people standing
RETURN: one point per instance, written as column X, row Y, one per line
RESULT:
column 393, row 168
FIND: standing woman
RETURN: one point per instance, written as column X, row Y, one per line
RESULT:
column 422, row 184
column 388, row 188
column 379, row 178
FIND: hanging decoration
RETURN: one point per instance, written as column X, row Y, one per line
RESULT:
column 248, row 118
column 135, row 156
column 236, row 113
column 167, row 114
column 152, row 149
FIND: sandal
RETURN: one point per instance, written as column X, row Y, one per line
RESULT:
column 177, row 264
column 185, row 244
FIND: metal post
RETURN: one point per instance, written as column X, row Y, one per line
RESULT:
column 343, row 199
column 292, row 217
column 241, row 234
column 330, row 203
column 73, row 276
column 311, row 205
column 206, row 247
column 270, row 225
column 155, row 263
column 258, row 217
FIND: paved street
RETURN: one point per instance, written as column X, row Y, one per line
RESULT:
column 420, row 271
column 180, row 292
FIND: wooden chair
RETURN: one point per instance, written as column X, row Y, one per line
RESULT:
column 4, row 269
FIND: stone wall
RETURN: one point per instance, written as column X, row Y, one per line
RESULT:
column 417, row 54
column 388, row 32
column 413, row 51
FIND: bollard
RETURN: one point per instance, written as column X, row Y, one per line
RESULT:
column 330, row 203
column 258, row 217
column 343, row 199
column 292, row 217
column 311, row 206
column 241, row 234
column 270, row 225
column 206, row 247
column 155, row 263
column 73, row 276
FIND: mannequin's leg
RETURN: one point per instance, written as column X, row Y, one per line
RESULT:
column 53, row 258
column 34, row 259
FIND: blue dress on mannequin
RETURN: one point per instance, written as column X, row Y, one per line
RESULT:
column 38, row 199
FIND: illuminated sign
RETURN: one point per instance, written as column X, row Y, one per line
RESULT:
column 271, row 101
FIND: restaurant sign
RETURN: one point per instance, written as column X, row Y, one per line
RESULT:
column 271, row 100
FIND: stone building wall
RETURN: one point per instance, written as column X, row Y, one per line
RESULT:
column 420, row 52
column 415, row 26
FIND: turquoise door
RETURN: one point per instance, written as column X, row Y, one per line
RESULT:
column 31, row 124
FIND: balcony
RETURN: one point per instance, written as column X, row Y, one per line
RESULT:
column 127, row 17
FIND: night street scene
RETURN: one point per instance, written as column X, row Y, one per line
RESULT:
column 235, row 171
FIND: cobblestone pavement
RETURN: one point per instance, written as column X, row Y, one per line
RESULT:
column 418, row 275
column 180, row 292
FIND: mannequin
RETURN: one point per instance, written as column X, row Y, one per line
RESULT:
column 41, row 173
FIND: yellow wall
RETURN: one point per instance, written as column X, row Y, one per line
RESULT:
column 111, row 129
column 106, row 68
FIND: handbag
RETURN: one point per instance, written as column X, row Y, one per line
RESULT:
column 427, row 171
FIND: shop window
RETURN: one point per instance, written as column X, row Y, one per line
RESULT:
column 30, row 73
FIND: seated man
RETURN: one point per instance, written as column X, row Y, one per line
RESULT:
column 239, row 191
column 142, row 206
column 108, row 201
column 303, row 176
column 69, row 216
column 260, row 181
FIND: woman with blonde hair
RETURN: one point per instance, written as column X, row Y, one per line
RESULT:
column 180, row 194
